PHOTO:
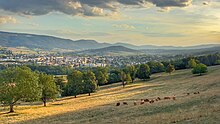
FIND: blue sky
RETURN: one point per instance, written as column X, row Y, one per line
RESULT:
column 139, row 22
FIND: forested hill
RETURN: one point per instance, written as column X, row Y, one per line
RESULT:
column 8, row 39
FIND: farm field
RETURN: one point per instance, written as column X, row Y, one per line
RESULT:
column 101, row 107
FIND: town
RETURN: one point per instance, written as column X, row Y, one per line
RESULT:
column 7, row 57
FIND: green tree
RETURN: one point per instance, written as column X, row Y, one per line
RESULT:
column 199, row 69
column 155, row 67
column 114, row 76
column 74, row 85
column 61, row 83
column 170, row 69
column 217, row 62
column 102, row 78
column 48, row 86
column 132, row 72
column 18, row 84
column 101, row 75
column 123, row 76
column 192, row 63
column 128, row 78
column 143, row 72
column 89, row 81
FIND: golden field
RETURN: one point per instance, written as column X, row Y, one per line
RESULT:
column 100, row 107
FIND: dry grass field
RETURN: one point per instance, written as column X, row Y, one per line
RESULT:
column 100, row 107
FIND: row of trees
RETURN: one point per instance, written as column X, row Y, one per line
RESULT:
column 87, row 81
column 22, row 84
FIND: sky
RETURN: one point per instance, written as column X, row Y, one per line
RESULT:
column 137, row 22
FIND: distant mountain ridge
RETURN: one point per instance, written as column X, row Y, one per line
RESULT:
column 110, row 51
column 8, row 39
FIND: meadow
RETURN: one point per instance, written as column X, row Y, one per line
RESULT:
column 101, row 107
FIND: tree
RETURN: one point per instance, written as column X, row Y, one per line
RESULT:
column 128, row 78
column 192, row 63
column 89, row 80
column 101, row 75
column 61, row 83
column 155, row 67
column 132, row 72
column 18, row 84
column 48, row 86
column 123, row 78
column 217, row 62
column 170, row 69
column 74, row 86
column 143, row 72
column 102, row 78
column 114, row 76
column 199, row 69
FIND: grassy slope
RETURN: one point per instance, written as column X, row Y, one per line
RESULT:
column 100, row 107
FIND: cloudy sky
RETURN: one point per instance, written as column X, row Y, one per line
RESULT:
column 155, row 22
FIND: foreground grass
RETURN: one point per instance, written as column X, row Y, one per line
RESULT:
column 100, row 107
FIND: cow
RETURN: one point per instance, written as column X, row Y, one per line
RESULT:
column 118, row 104
column 158, row 98
column 196, row 93
column 142, row 102
column 152, row 101
column 125, row 103
column 135, row 103
column 166, row 97
column 146, row 100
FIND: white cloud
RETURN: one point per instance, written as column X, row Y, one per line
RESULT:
column 7, row 19
column 124, row 26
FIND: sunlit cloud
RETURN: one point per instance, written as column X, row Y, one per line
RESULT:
column 124, row 26
column 83, row 7
column 7, row 19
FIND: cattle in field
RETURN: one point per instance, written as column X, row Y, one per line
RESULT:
column 146, row 100
column 158, row 98
column 188, row 94
column 142, row 102
column 135, row 103
column 118, row 104
column 196, row 93
column 174, row 98
column 125, row 103
column 151, row 101
column 167, row 97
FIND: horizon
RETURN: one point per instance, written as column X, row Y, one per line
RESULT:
column 148, row 22
column 113, row 43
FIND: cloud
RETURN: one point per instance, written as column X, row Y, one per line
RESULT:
column 82, row 7
column 73, row 33
column 124, row 26
column 171, row 3
column 7, row 19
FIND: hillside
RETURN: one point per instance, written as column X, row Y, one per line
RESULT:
column 111, row 50
column 45, row 42
column 101, row 107
column 8, row 39
column 199, row 51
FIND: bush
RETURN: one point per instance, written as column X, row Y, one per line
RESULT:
column 199, row 69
